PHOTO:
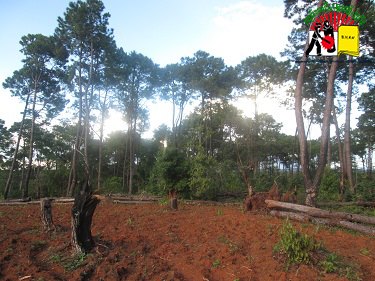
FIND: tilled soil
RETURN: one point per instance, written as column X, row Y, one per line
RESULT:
column 151, row 242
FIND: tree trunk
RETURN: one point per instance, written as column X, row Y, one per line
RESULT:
column 325, row 128
column 315, row 212
column 10, row 176
column 173, row 199
column 341, row 154
column 46, row 214
column 75, row 158
column 82, row 212
column 369, row 161
column 347, row 143
column 330, row 222
column 89, row 93
column 304, row 157
column 25, row 192
column 103, row 115
column 131, row 160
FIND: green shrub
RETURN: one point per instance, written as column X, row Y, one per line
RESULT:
column 294, row 246
column 112, row 185
column 329, row 186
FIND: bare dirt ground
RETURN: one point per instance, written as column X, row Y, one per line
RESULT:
column 151, row 242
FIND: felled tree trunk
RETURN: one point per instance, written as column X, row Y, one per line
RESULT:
column 324, row 221
column 82, row 211
column 315, row 212
column 46, row 214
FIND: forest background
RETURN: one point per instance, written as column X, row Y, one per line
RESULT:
column 210, row 147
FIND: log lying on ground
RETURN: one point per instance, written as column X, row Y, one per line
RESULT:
column 301, row 217
column 293, row 216
column 358, row 203
column 16, row 202
column 63, row 200
column 132, row 202
column 134, row 198
column 315, row 212
column 82, row 212
column 46, row 214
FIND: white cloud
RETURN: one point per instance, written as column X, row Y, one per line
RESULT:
column 247, row 29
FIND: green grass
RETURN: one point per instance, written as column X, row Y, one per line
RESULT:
column 38, row 245
column 219, row 212
column 216, row 263
column 164, row 201
column 365, row 252
column 75, row 262
column 298, row 248
column 233, row 247
column 68, row 263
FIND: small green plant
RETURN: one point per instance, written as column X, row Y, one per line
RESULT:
column 216, row 263
column 365, row 251
column 129, row 221
column 219, row 212
column 38, row 245
column 55, row 258
column 76, row 262
column 330, row 264
column 233, row 247
column 163, row 201
column 295, row 246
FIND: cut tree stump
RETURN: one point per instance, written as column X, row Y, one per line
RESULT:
column 82, row 212
column 46, row 214
column 173, row 199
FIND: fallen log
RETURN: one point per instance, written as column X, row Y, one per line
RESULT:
column 358, row 203
column 63, row 200
column 134, row 198
column 132, row 202
column 346, row 224
column 293, row 216
column 301, row 217
column 27, row 199
column 6, row 203
column 315, row 212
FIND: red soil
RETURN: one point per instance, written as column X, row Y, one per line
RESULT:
column 151, row 242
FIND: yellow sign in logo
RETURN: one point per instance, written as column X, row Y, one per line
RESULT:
column 348, row 40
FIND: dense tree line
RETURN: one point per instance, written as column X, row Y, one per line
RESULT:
column 213, row 150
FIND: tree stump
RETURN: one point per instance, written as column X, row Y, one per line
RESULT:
column 173, row 200
column 82, row 211
column 46, row 214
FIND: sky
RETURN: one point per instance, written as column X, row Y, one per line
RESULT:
column 165, row 31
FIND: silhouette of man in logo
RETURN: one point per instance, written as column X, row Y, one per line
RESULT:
column 328, row 41
column 315, row 41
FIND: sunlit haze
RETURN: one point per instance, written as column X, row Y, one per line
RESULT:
column 165, row 31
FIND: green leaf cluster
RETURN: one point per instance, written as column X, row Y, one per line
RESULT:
column 295, row 246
